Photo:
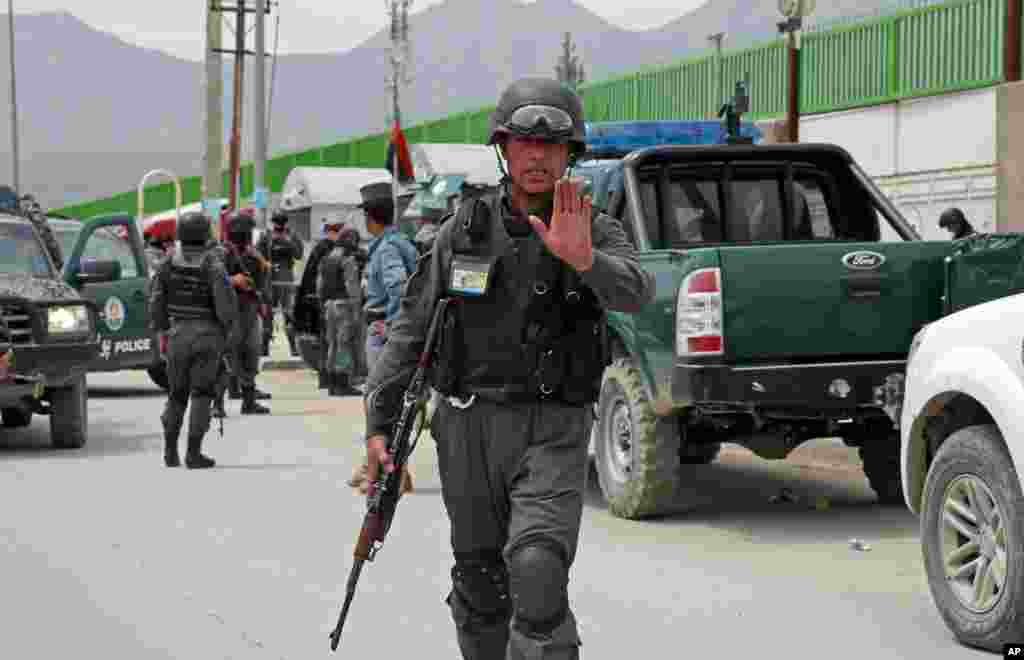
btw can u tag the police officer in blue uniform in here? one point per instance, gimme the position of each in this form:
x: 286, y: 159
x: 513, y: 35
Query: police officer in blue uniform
x: 532, y: 269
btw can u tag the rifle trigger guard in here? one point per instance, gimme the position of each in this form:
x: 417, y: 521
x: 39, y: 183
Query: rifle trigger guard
x: 461, y: 404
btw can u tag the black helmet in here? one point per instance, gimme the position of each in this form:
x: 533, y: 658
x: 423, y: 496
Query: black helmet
x: 241, y: 224
x: 193, y: 229
x: 951, y: 218
x: 280, y: 218
x: 542, y: 108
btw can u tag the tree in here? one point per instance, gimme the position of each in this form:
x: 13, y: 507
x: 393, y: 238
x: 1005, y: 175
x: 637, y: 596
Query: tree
x: 570, y: 66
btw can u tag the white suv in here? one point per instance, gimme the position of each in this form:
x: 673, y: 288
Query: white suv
x: 962, y: 448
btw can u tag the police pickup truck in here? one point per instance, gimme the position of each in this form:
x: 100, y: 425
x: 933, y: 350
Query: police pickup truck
x: 126, y: 342
x: 781, y: 313
x: 48, y: 334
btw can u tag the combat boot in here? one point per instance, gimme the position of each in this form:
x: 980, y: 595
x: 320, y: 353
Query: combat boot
x: 261, y: 395
x: 194, y: 459
x: 249, y: 405
x: 171, y: 458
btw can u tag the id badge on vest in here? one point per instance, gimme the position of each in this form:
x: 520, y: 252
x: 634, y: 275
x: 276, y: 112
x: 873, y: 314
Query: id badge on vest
x: 471, y: 276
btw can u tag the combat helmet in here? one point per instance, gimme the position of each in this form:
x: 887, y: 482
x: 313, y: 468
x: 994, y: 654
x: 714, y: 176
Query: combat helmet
x: 241, y: 225
x: 543, y: 108
x: 193, y: 229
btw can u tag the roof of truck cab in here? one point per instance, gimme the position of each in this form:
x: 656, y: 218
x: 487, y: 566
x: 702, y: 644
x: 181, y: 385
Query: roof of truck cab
x: 813, y: 151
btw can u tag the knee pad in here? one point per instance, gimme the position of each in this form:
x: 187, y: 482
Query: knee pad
x: 480, y: 587
x: 539, y: 579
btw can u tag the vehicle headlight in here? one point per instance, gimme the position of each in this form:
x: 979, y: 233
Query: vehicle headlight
x: 69, y: 320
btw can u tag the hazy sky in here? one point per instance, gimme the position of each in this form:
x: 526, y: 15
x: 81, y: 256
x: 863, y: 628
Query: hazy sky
x: 306, y: 25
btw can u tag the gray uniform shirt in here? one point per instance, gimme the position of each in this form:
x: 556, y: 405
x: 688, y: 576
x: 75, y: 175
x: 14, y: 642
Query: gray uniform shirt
x: 617, y: 279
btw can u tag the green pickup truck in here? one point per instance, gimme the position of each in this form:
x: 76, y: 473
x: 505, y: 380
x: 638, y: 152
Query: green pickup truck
x: 781, y: 314
x: 126, y: 342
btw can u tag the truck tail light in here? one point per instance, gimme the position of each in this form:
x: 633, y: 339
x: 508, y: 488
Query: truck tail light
x: 699, y: 314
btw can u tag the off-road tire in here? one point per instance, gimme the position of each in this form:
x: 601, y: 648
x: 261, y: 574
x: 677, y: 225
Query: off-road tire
x: 16, y: 418
x: 158, y: 374
x: 881, y: 459
x: 701, y: 454
x: 649, y: 488
x: 69, y: 415
x: 977, y: 452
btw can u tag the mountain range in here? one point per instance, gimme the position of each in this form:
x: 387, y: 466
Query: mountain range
x: 96, y: 112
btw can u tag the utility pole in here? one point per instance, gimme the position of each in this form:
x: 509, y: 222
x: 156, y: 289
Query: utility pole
x: 718, y: 98
x: 213, y: 162
x: 795, y: 12
x: 14, y: 103
x: 399, y: 13
x: 236, y: 111
x: 239, y: 52
x: 259, y: 119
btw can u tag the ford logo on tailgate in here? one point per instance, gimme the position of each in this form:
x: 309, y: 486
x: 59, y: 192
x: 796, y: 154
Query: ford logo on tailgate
x: 863, y: 260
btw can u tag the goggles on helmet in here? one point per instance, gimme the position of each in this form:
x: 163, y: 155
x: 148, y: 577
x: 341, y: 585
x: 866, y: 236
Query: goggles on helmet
x: 540, y: 119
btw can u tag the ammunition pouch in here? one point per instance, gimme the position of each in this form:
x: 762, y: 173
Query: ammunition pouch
x: 448, y: 353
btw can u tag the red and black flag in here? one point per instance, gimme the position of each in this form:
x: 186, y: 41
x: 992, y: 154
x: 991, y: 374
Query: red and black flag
x: 398, y: 150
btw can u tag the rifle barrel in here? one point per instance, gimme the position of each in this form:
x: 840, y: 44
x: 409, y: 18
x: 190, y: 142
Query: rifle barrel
x: 350, y: 592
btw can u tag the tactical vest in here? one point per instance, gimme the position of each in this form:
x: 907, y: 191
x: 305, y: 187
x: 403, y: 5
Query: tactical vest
x: 332, y: 276
x: 189, y: 295
x: 524, y: 326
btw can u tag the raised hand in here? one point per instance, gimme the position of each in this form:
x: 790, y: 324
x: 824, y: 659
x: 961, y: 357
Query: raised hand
x: 568, y: 237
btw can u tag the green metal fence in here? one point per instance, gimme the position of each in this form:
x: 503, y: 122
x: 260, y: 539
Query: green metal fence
x: 915, y: 52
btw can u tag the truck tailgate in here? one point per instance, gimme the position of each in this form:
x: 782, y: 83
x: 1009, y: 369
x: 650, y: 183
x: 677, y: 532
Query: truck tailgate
x: 815, y: 302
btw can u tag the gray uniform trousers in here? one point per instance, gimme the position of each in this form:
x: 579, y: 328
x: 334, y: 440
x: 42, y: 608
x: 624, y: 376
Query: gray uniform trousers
x: 341, y: 318
x: 512, y: 475
x: 246, y: 359
x: 194, y: 350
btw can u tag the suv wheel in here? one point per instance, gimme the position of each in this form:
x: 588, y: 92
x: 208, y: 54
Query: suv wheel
x: 16, y: 418
x: 972, y: 536
x: 158, y: 374
x: 637, y: 453
x: 69, y: 415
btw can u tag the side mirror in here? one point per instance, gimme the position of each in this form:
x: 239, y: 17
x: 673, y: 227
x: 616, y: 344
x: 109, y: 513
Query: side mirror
x: 98, y: 271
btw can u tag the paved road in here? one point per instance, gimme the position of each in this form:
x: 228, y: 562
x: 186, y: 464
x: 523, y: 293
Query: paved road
x: 105, y: 553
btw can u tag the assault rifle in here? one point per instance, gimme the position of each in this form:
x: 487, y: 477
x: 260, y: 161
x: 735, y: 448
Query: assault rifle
x: 385, y: 490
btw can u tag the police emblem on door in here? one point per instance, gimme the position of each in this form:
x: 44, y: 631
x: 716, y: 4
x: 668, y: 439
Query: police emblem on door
x: 113, y: 313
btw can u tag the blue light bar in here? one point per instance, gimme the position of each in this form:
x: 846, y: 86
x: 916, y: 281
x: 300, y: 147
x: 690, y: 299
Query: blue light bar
x: 619, y: 137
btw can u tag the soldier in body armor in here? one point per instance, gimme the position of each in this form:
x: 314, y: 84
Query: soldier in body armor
x: 283, y: 249
x: 531, y: 269
x: 339, y: 288
x: 249, y: 274
x: 192, y: 308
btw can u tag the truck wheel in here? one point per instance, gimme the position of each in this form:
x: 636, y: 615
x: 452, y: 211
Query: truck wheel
x: 972, y: 537
x: 69, y: 415
x: 881, y: 459
x: 16, y: 418
x: 158, y: 374
x: 637, y: 453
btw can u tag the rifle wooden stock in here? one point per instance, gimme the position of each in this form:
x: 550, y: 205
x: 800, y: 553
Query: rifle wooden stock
x: 386, y: 489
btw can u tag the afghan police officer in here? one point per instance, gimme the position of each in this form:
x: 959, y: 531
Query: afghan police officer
x: 532, y: 269
x: 283, y: 249
x: 191, y: 305
x: 339, y: 289
x: 249, y: 276
x: 955, y: 222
